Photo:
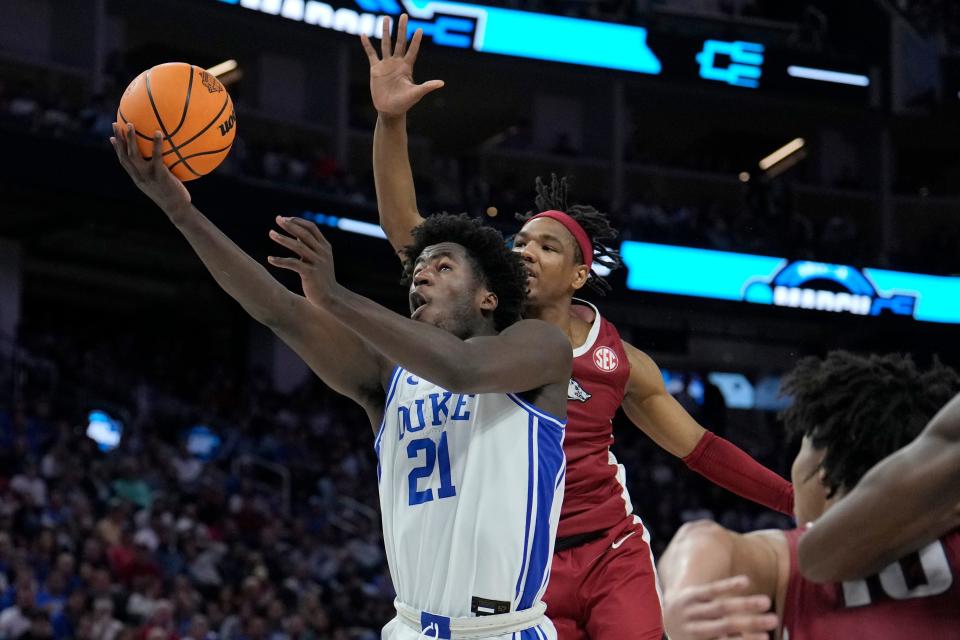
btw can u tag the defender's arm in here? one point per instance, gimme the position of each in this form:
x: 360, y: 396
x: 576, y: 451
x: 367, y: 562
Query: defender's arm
x: 394, y: 93
x: 658, y: 414
x: 905, y: 502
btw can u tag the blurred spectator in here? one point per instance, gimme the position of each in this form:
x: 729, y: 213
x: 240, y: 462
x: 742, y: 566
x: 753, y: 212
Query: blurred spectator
x: 104, y: 626
x: 17, y: 619
x: 30, y: 486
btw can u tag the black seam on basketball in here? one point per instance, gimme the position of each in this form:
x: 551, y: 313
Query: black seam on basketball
x: 126, y: 122
x: 186, y: 104
x: 173, y: 147
x: 204, y: 130
x: 202, y: 153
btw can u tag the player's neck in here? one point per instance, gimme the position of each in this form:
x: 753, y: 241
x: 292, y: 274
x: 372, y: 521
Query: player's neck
x: 559, y: 314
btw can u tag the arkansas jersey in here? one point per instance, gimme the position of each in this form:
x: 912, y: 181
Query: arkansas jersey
x: 917, y: 597
x: 596, y: 496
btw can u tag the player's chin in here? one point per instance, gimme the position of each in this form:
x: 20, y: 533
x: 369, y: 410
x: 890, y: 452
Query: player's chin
x: 531, y: 289
x: 430, y: 316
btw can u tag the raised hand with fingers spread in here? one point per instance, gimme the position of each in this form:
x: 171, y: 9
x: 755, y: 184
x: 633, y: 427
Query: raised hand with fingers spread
x: 391, y: 74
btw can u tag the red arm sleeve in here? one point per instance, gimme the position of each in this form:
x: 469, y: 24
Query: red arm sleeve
x: 728, y: 466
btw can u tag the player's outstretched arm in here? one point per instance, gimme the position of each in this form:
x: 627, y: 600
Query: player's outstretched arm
x: 719, y: 584
x: 526, y: 356
x: 658, y: 414
x: 343, y: 361
x: 394, y: 93
x: 905, y: 502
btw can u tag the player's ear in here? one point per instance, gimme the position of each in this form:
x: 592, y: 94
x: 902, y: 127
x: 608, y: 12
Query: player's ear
x: 488, y: 300
x: 581, y: 276
x: 822, y: 477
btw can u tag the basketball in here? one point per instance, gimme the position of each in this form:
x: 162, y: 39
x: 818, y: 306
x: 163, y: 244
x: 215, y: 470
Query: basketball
x: 192, y: 110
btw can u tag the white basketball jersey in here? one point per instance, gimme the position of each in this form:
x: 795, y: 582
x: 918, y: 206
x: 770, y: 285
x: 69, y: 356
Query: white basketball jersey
x: 470, y: 489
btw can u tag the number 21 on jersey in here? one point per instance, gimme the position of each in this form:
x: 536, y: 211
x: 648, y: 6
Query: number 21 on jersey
x: 435, y: 455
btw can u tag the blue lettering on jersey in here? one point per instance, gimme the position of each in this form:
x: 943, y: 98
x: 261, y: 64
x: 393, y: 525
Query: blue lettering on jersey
x: 461, y: 403
x: 440, y: 406
x: 413, y: 420
x: 406, y: 425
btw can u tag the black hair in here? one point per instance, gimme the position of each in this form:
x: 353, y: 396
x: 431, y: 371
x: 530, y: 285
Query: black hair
x: 497, y: 267
x: 553, y: 196
x: 862, y: 408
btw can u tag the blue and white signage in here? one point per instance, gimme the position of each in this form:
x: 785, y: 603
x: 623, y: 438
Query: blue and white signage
x: 592, y: 43
x: 737, y: 63
x: 803, y: 284
x: 523, y: 34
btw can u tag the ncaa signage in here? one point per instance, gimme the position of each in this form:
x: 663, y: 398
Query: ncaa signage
x: 462, y: 25
x: 804, y: 284
x: 736, y: 63
x: 828, y: 287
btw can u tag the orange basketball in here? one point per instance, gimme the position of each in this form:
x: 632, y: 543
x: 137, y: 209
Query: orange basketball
x: 192, y: 110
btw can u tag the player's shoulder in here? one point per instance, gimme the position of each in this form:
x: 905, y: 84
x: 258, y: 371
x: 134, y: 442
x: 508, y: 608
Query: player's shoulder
x: 540, y: 329
x: 642, y: 366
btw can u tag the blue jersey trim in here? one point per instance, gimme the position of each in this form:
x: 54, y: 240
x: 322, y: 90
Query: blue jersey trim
x: 550, y: 465
x: 391, y: 389
x: 526, y: 529
x: 394, y: 377
x: 555, y: 421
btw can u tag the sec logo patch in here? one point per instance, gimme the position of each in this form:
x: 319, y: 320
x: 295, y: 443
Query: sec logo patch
x: 605, y: 359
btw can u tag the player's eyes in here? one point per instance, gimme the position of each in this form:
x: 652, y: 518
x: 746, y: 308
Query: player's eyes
x: 444, y: 267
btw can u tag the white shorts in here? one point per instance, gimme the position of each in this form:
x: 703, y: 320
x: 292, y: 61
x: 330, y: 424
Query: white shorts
x: 397, y: 630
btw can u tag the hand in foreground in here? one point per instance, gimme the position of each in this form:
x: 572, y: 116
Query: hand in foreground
x: 150, y: 175
x: 717, y: 610
x: 315, y: 261
x: 391, y: 78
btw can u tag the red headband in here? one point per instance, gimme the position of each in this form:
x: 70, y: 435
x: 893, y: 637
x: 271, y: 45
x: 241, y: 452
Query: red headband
x: 583, y: 240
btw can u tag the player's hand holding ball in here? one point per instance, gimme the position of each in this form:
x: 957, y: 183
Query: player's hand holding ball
x: 151, y: 176
x: 315, y: 258
x: 175, y: 123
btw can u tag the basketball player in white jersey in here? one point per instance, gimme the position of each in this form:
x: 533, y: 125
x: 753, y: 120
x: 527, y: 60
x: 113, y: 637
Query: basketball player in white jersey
x: 468, y: 404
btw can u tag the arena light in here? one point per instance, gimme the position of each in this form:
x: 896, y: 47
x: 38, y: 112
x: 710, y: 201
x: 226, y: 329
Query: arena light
x: 103, y: 429
x: 345, y: 224
x: 223, y: 68
x: 782, y: 153
x: 363, y: 228
x: 825, y: 75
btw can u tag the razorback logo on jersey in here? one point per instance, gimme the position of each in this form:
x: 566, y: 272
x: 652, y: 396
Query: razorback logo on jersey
x: 576, y: 392
x: 606, y: 359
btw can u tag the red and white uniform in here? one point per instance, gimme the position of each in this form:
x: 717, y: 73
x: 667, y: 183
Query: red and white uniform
x: 596, y: 496
x: 917, y: 597
x: 606, y: 588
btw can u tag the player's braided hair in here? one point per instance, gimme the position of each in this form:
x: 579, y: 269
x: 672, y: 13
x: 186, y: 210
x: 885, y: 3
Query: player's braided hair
x: 498, y: 268
x: 862, y: 408
x: 595, y: 223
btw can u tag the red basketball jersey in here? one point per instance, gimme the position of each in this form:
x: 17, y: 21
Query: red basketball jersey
x: 596, y: 494
x: 915, y: 598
